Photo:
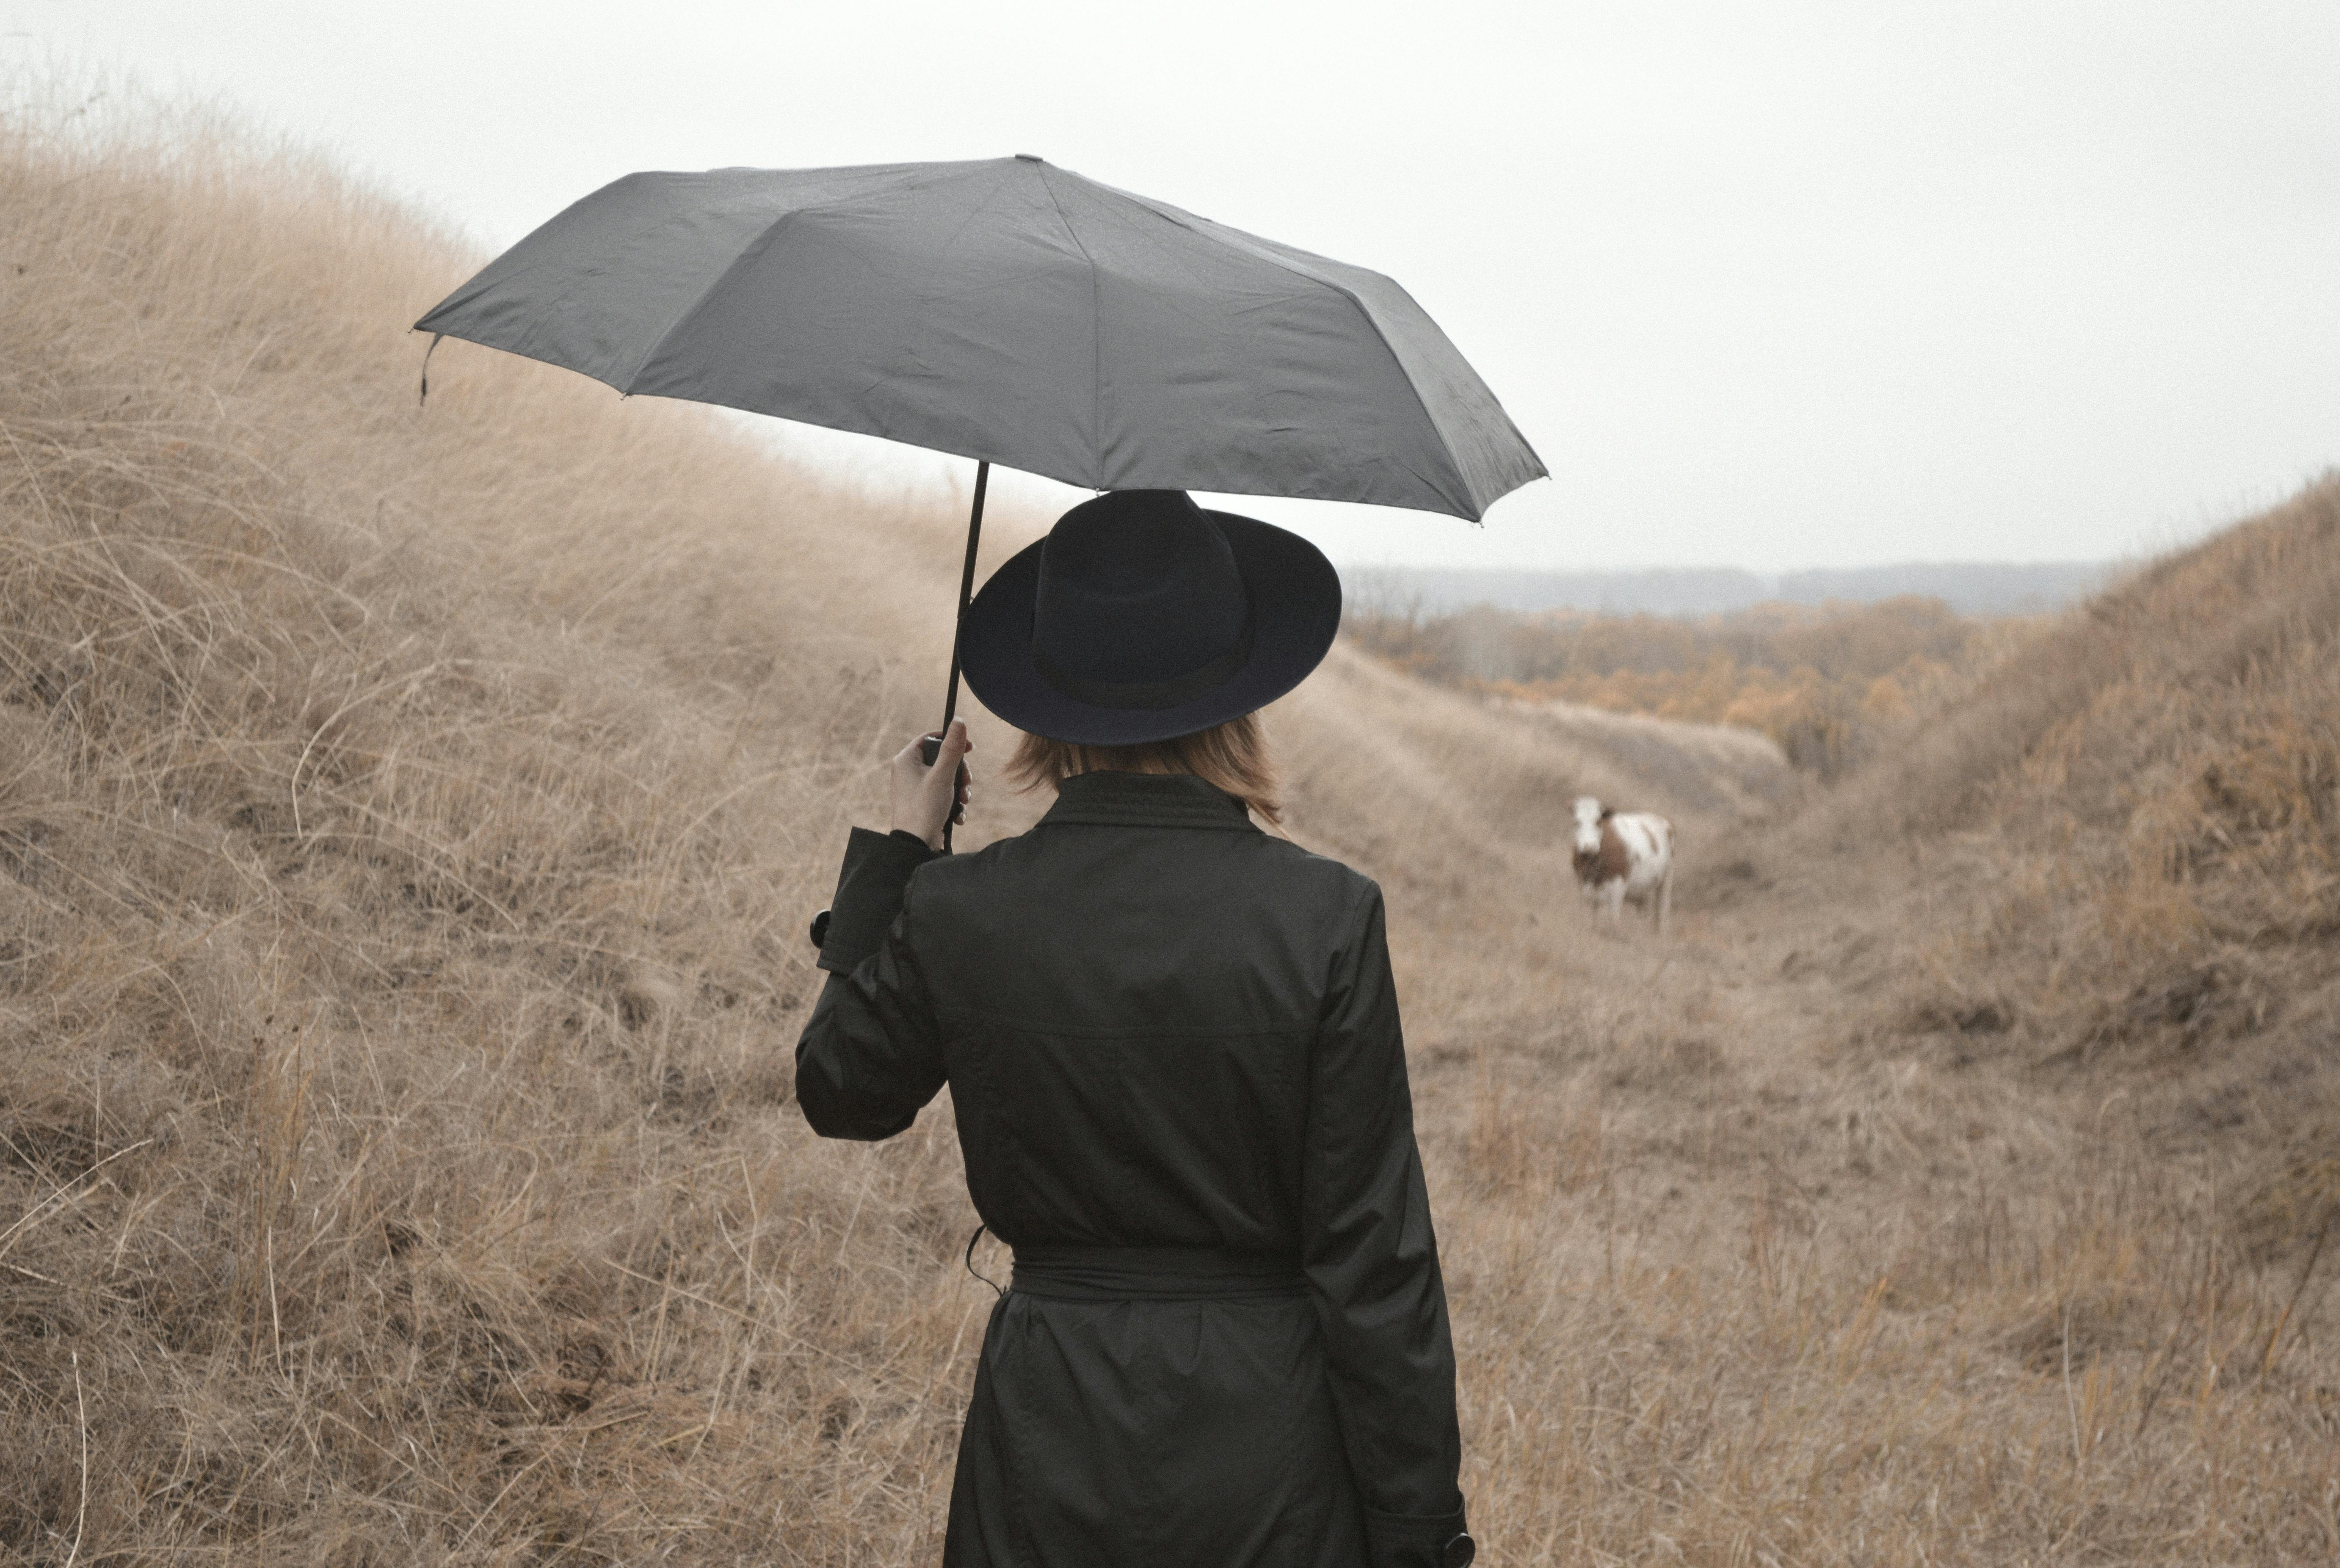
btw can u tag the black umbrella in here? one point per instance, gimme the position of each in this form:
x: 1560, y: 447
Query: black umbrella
x: 1010, y: 312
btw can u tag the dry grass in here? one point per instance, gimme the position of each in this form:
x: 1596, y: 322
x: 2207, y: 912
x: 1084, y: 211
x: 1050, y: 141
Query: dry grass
x: 407, y: 822
x: 407, y: 818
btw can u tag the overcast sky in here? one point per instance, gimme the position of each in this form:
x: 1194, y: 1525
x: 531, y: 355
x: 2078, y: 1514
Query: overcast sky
x: 1792, y: 284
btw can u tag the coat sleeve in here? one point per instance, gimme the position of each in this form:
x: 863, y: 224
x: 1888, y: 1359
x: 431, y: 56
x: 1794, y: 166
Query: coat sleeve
x: 871, y: 1055
x: 1372, y: 1262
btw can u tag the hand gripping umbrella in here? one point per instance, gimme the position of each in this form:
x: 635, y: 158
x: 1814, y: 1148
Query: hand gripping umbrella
x: 1010, y: 312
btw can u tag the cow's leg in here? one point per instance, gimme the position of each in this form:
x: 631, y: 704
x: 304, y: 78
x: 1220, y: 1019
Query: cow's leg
x: 1665, y: 898
x: 1612, y: 899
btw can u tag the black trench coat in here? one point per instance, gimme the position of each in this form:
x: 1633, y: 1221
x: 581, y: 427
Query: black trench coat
x: 1172, y: 1042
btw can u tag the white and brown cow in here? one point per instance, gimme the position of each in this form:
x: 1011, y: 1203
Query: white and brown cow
x: 1622, y: 855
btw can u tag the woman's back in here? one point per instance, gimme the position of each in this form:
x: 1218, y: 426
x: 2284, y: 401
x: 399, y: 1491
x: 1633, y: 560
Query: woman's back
x: 1128, y: 995
x: 1172, y: 1048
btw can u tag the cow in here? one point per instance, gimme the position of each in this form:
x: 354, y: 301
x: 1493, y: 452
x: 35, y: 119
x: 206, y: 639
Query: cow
x: 1622, y: 855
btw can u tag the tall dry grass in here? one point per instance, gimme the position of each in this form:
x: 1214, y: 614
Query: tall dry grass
x: 2139, y: 812
x: 407, y: 817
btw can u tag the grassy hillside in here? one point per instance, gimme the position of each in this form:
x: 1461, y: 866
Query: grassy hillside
x: 408, y: 816
x: 2126, y: 834
x: 2128, y: 825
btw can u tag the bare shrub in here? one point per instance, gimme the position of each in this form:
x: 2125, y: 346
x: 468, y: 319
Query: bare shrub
x: 1824, y: 682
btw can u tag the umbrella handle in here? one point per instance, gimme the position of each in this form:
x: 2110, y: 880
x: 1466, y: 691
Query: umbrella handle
x: 932, y: 746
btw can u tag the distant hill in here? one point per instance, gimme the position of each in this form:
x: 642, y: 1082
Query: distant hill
x: 1970, y: 587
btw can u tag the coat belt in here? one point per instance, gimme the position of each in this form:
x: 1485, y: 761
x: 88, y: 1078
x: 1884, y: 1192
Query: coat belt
x: 1152, y: 1274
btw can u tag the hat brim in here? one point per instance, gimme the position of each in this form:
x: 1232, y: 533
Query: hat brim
x: 1296, y: 606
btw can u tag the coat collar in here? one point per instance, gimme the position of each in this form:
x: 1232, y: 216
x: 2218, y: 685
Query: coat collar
x: 1146, y: 800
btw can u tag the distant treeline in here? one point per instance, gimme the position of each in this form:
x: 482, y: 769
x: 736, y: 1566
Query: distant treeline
x: 1821, y: 680
x: 1969, y: 588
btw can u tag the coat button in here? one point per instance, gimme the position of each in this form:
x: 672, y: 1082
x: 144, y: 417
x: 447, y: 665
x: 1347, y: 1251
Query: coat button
x: 820, y: 932
x: 1458, y: 1551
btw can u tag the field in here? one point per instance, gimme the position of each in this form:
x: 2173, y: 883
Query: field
x: 409, y: 815
x: 1829, y: 683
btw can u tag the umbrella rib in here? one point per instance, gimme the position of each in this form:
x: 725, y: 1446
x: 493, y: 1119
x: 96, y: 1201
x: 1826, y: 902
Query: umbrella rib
x: 1445, y: 440
x: 763, y: 237
x: 1096, y: 339
x: 1266, y: 252
x: 1454, y: 459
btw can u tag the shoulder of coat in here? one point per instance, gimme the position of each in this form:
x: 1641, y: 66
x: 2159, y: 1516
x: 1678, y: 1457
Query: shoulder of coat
x: 1283, y: 846
x: 958, y: 870
x: 1339, y: 885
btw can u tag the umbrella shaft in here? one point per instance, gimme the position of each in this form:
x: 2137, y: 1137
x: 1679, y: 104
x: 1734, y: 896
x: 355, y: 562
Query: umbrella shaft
x: 966, y: 592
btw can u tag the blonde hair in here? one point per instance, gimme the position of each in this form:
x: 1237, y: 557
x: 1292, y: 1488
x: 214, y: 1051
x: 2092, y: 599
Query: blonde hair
x: 1232, y: 757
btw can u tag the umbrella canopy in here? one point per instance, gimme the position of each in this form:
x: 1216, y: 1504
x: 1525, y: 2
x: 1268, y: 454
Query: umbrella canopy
x: 1012, y: 311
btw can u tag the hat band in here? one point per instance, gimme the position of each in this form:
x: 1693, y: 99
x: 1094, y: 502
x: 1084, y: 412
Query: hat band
x: 1149, y: 694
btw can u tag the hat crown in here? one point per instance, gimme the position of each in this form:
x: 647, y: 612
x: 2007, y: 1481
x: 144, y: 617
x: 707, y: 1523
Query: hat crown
x: 1137, y: 586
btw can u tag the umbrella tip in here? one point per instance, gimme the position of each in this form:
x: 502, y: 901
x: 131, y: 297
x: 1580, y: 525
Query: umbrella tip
x: 1030, y: 158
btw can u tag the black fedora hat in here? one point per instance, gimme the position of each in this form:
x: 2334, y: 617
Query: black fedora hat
x: 1141, y: 616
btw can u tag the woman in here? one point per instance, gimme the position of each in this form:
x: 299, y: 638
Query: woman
x: 1172, y: 1042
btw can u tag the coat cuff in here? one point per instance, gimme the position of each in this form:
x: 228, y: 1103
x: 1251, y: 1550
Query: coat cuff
x: 869, y: 888
x: 1410, y: 1540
